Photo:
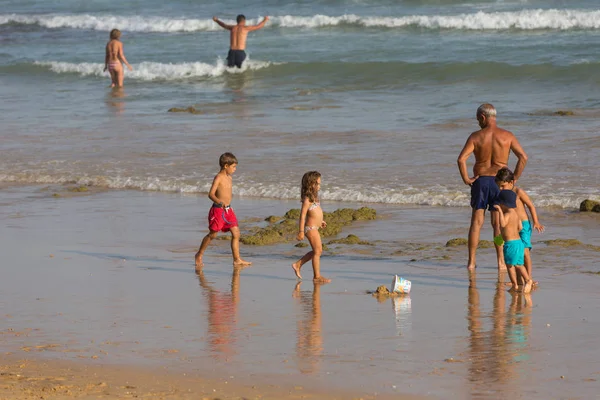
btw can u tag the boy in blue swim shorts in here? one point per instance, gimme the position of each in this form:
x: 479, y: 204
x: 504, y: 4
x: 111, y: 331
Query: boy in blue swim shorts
x: 505, y: 179
x: 514, y: 249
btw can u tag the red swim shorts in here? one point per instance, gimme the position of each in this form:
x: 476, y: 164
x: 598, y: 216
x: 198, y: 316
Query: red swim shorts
x: 221, y: 219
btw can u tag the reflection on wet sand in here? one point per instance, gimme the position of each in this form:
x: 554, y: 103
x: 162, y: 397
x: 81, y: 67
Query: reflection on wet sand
x: 494, y: 354
x: 222, y: 315
x: 309, y: 345
x: 113, y: 102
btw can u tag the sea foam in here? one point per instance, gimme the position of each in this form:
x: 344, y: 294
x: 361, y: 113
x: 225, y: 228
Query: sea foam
x: 533, y: 19
x: 149, y: 71
x: 430, y: 196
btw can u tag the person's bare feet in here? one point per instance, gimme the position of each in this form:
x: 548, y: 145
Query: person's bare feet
x: 296, y: 268
x: 198, y: 259
x: 514, y: 289
x: 240, y: 262
x: 527, y: 287
x: 471, y: 268
x: 321, y: 279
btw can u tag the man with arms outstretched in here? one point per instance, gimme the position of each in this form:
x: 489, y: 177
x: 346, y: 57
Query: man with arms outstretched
x: 237, y: 39
x: 491, y: 146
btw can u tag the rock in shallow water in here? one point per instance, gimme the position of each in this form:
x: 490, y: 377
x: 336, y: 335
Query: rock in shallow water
x: 589, y: 205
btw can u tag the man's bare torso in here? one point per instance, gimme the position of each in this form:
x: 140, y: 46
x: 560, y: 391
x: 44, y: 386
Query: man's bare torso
x: 237, y: 39
x: 491, y: 148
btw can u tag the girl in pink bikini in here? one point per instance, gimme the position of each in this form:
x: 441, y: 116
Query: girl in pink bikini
x: 114, y: 59
x: 311, y: 219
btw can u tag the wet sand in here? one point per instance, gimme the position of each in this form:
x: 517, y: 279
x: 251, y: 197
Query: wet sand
x: 104, y: 283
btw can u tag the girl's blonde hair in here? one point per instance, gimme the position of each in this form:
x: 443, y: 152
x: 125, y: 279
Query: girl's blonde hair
x: 115, y: 34
x: 309, y: 186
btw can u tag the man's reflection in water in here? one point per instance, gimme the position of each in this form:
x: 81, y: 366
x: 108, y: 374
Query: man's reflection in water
x: 309, y: 346
x: 494, y: 353
x: 222, y: 315
x: 114, y: 100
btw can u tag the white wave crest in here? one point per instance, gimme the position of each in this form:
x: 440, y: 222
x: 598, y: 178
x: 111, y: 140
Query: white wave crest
x: 431, y: 196
x: 148, y: 71
x: 521, y: 20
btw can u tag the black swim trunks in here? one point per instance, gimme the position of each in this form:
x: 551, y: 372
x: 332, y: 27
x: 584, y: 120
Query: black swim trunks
x: 235, y: 58
x: 484, y: 192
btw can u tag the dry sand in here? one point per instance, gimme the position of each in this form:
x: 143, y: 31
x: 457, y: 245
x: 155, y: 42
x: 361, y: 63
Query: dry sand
x: 56, y: 380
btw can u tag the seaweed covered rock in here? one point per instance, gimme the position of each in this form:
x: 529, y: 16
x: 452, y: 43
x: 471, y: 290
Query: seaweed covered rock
x: 589, y: 205
x: 483, y: 244
x: 284, y: 229
x: 273, y: 218
x: 350, y: 239
x: 456, y: 242
x: 563, y: 242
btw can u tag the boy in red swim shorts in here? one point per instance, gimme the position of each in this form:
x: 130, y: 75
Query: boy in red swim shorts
x: 221, y: 217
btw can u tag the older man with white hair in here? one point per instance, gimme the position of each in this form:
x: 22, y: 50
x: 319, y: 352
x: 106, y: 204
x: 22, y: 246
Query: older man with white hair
x: 491, y: 146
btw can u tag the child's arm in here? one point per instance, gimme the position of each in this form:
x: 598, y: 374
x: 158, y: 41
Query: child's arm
x: 527, y: 201
x: 302, y: 222
x: 222, y: 24
x: 503, y: 220
x: 122, y: 57
x: 212, y: 194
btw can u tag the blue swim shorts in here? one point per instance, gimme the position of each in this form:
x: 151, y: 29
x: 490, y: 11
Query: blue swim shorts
x: 484, y: 192
x: 525, y: 234
x: 514, y: 253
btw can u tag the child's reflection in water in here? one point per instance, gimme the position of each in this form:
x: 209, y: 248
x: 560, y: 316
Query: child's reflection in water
x: 309, y: 346
x: 222, y: 315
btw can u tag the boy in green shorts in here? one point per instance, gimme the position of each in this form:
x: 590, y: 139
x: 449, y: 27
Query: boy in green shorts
x: 505, y: 179
x: 514, y: 249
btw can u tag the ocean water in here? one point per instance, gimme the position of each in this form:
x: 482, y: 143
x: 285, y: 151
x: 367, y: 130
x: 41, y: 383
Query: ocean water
x: 378, y: 95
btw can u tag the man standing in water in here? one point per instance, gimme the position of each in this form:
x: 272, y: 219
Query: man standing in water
x: 237, y: 39
x: 491, y: 146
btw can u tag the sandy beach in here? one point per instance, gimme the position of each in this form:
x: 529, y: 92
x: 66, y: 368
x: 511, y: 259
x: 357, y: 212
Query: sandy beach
x: 100, y: 285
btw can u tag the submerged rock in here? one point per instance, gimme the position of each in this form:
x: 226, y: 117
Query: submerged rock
x: 78, y: 189
x: 564, y: 113
x: 589, y: 205
x: 191, y: 110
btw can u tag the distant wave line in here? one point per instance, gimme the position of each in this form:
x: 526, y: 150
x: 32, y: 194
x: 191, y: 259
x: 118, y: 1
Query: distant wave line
x: 535, y: 19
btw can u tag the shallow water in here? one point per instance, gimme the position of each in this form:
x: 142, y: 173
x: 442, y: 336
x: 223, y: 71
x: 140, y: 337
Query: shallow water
x: 111, y: 275
x: 380, y: 96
